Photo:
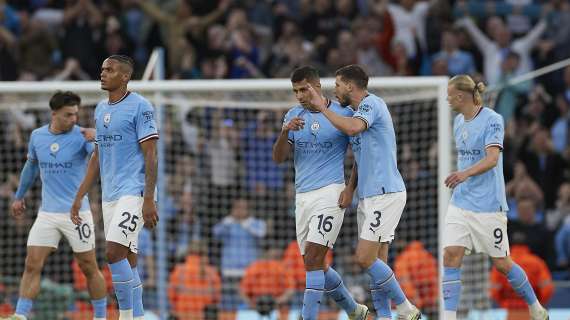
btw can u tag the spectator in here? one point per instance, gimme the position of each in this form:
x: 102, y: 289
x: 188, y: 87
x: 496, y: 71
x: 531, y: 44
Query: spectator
x: 522, y: 186
x: 416, y: 270
x: 239, y: 234
x: 517, y: 22
x: 186, y: 227
x: 194, y: 284
x: 559, y: 130
x: 527, y: 227
x: 9, y: 26
x: 409, y: 20
x: 267, y: 277
x: 557, y: 34
x: 176, y: 26
x: 538, y: 275
x: 543, y: 164
x: 265, y: 179
x: 320, y: 24
x: 458, y: 61
x: 509, y: 95
x: 82, y: 21
x: 244, y: 55
x: 563, y: 244
x: 562, y: 239
x: 494, y: 51
x: 366, y: 43
x: 439, y: 67
x: 36, y: 48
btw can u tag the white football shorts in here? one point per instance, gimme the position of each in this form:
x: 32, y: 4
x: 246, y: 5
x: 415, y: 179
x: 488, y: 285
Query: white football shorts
x: 123, y: 221
x: 318, y: 217
x: 476, y: 231
x: 49, y: 227
x: 378, y: 216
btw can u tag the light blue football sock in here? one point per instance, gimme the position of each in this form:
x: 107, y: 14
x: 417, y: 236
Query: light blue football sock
x: 451, y: 288
x: 336, y: 289
x: 315, y: 284
x: 122, y: 282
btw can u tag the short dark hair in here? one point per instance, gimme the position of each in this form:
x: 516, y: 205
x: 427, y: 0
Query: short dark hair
x: 62, y: 99
x: 305, y: 73
x: 124, y: 60
x: 355, y: 74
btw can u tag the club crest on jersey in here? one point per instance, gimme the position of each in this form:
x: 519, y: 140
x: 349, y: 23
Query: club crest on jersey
x: 106, y: 119
x: 315, y: 126
x: 53, y: 148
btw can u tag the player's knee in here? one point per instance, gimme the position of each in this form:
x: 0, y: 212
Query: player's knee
x: 89, y: 268
x: 503, y: 265
x: 452, y: 257
x: 364, y: 259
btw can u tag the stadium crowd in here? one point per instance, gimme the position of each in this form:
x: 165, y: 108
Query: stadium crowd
x: 229, y: 211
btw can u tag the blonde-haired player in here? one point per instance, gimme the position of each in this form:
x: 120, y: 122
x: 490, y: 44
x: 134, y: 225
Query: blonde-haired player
x: 476, y: 218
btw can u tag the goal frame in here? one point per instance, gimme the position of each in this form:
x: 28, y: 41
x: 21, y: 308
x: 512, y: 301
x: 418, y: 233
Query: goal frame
x: 157, y: 87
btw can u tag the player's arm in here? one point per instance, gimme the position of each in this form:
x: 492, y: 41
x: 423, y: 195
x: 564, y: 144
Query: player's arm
x: 345, y: 199
x: 153, y: 11
x: 90, y: 177
x: 150, y: 214
x: 353, y: 180
x: 282, y: 146
x: 484, y: 165
x: 27, y: 177
x: 348, y: 125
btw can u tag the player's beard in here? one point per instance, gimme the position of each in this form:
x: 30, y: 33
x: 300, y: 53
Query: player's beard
x: 344, y: 100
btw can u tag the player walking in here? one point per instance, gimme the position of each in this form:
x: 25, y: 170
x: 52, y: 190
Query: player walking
x: 381, y: 189
x: 318, y: 148
x: 58, y: 152
x: 125, y: 157
x: 476, y: 218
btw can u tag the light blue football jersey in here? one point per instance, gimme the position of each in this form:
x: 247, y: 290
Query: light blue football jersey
x: 62, y: 159
x: 375, y: 150
x: 485, y: 192
x: 121, y: 127
x: 319, y: 148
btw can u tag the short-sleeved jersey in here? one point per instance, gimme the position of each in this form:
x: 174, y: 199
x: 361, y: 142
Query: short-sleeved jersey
x: 319, y: 148
x: 62, y: 159
x: 485, y: 192
x: 121, y: 127
x: 375, y: 150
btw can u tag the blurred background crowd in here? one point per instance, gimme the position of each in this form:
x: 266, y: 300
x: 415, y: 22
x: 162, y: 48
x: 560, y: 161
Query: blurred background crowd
x: 230, y: 209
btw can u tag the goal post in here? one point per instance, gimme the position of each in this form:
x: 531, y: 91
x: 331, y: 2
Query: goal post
x: 195, y: 116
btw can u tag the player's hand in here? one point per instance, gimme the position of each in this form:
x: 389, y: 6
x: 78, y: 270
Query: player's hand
x: 295, y: 124
x: 317, y: 102
x: 150, y: 214
x: 345, y: 199
x: 88, y: 133
x: 18, y: 208
x: 455, y: 178
x: 74, y: 212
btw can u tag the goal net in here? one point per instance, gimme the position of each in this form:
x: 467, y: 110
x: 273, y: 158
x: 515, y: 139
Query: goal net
x: 225, y: 244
